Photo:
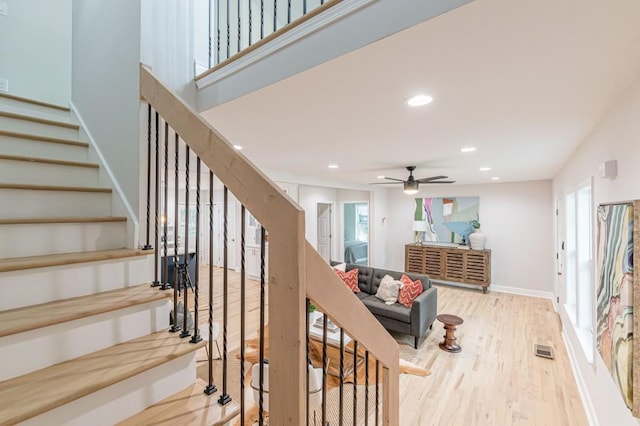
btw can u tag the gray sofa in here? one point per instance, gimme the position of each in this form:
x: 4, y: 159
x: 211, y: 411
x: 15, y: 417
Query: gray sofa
x: 413, y: 321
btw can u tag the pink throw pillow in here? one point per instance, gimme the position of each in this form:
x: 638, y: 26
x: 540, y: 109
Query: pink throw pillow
x: 409, y: 291
x: 350, y: 279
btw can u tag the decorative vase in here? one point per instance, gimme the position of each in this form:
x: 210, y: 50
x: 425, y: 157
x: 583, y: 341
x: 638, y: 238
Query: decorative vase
x: 477, y: 240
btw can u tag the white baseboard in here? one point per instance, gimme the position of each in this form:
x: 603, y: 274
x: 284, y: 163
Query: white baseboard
x: 580, y: 384
x: 505, y: 289
x: 523, y: 292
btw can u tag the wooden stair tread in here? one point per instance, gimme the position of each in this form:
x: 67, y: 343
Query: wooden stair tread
x: 53, y: 188
x: 32, y: 262
x: 43, y: 390
x: 36, y: 220
x: 43, y: 138
x: 39, y: 120
x: 28, y: 318
x: 34, y: 102
x: 191, y: 406
x: 49, y: 161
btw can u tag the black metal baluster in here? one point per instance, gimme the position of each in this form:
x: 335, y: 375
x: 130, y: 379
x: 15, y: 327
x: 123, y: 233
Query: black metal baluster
x: 225, y: 398
x: 196, y: 330
x: 262, y: 295
x: 242, y: 307
x: 228, y: 31
x: 156, y: 254
x: 341, y: 384
x: 377, y: 390
x: 210, y: 52
x: 275, y: 15
x: 355, y: 383
x: 289, y: 12
x: 325, y: 320
x: 250, y: 24
x: 261, y: 19
x: 185, y: 280
x: 366, y: 388
x: 239, y: 26
x: 175, y: 327
x: 308, y: 306
x: 165, y: 266
x: 218, y: 42
x: 211, y: 388
x: 147, y: 246
x: 304, y: 7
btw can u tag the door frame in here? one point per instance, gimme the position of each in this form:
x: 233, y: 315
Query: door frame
x: 331, y: 226
x: 341, y: 228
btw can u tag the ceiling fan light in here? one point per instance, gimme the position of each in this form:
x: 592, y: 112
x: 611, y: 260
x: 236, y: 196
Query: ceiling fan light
x: 410, y: 188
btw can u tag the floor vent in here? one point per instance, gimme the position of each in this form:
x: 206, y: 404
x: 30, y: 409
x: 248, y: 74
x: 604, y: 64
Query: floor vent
x: 544, y: 351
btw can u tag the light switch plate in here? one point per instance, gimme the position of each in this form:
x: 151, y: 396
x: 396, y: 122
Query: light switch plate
x: 4, y: 85
x: 4, y: 8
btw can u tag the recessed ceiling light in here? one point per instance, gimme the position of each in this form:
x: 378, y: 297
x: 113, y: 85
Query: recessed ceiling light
x: 468, y: 149
x: 495, y: 178
x: 238, y: 147
x: 381, y: 177
x: 485, y: 169
x: 333, y: 166
x: 419, y: 100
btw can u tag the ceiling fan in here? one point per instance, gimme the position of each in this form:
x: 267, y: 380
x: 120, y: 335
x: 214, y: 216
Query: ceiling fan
x: 411, y: 184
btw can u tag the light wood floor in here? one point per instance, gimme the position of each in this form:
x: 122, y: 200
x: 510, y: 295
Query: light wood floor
x: 495, y: 380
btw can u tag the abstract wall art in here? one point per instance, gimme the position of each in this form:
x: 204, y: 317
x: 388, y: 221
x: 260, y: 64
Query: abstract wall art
x: 447, y: 217
x: 616, y: 241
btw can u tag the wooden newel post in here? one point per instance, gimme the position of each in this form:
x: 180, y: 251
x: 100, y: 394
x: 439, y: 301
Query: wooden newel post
x: 287, y: 322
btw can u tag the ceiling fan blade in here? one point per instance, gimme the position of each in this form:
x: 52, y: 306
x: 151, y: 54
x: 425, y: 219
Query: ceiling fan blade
x: 394, y: 179
x: 429, y: 179
x: 438, y: 181
x: 385, y: 183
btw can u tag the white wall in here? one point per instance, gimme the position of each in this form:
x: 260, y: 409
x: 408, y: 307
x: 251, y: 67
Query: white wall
x: 616, y: 137
x: 167, y: 44
x: 516, y: 217
x: 105, y: 86
x: 309, y: 197
x: 35, y: 49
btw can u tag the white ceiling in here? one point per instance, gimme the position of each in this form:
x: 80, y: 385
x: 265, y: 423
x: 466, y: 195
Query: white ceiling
x: 523, y: 81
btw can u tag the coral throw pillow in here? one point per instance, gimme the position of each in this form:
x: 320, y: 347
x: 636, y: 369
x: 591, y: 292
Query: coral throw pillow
x: 350, y: 279
x: 409, y: 291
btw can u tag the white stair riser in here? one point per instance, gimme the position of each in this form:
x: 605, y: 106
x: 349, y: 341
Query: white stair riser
x: 115, y: 403
x: 25, y: 126
x: 33, y: 173
x: 57, y: 238
x: 42, y: 285
x: 36, y: 349
x: 10, y: 145
x: 27, y: 204
x: 20, y: 107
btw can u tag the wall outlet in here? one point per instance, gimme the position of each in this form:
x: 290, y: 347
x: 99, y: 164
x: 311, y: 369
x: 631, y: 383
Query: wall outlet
x: 4, y: 85
x: 4, y: 8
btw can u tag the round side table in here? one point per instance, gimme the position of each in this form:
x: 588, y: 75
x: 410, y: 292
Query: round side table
x: 450, y: 322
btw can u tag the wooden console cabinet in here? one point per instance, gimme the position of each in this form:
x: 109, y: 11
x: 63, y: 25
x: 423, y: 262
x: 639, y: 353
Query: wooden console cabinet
x: 444, y: 263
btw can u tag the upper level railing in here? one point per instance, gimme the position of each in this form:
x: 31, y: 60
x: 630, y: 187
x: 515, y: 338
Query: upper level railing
x: 296, y: 272
x: 237, y: 27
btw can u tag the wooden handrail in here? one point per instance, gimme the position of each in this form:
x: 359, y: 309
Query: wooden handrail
x: 296, y: 270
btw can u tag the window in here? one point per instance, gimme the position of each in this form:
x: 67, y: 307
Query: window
x: 579, y: 265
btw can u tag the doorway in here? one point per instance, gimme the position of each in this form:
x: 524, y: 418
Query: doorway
x: 324, y: 213
x: 356, y: 233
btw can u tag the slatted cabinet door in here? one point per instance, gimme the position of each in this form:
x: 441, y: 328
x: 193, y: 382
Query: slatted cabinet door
x: 450, y: 264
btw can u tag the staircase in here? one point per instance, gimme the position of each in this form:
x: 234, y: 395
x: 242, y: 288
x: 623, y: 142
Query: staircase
x: 83, y: 336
